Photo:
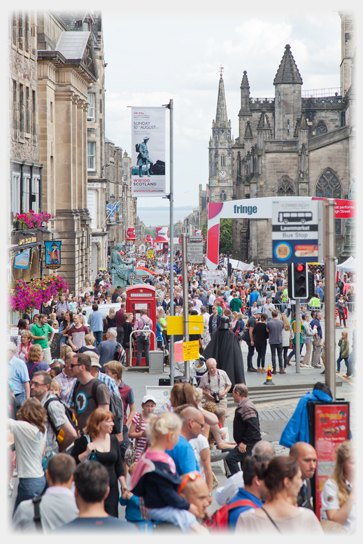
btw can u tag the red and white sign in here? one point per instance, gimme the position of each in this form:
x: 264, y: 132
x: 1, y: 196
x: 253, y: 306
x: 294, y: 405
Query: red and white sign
x: 130, y: 233
x: 162, y: 234
x: 148, y: 238
x: 197, y: 232
x: 344, y: 209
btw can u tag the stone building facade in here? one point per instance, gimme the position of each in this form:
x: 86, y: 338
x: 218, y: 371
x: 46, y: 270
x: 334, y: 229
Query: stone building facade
x: 66, y: 69
x: 25, y: 168
x: 292, y: 144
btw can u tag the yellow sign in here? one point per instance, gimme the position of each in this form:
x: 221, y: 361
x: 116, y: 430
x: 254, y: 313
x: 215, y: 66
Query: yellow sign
x: 150, y: 254
x: 190, y: 350
x: 196, y: 325
x: 30, y: 240
x: 295, y: 326
x: 175, y: 324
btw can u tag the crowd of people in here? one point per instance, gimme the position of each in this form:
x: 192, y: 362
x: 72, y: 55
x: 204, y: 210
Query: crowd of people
x: 80, y: 448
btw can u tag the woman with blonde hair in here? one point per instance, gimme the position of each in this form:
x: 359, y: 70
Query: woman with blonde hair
x: 155, y: 478
x: 286, y: 338
x: 338, y: 498
x: 64, y: 350
x: 30, y: 438
x: 34, y: 362
x: 109, y: 321
x: 98, y: 444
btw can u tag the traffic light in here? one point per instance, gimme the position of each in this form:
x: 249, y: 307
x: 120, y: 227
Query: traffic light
x: 311, y: 285
x: 299, y: 281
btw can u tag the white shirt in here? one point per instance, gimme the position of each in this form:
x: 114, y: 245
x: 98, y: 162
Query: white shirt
x: 199, y: 444
x: 29, y: 445
x: 229, y: 490
x: 211, y: 299
x: 330, y: 501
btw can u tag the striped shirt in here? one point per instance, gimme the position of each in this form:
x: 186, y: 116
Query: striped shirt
x: 140, y: 442
x: 110, y: 382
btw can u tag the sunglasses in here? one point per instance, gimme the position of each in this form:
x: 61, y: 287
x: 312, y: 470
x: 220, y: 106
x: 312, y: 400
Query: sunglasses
x: 190, y: 476
x: 201, y: 424
x: 36, y: 384
x: 72, y: 365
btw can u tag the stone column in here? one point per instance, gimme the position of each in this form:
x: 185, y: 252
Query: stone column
x: 64, y: 148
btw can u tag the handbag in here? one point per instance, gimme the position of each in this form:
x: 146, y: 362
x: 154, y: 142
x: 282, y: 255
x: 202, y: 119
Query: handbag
x: 130, y: 452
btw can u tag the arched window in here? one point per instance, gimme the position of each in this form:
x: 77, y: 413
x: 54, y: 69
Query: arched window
x: 223, y: 160
x: 321, y: 128
x: 223, y: 196
x: 285, y: 187
x: 329, y: 186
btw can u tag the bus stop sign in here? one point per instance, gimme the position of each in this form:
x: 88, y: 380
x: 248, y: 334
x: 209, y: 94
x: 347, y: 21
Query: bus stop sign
x: 295, y: 231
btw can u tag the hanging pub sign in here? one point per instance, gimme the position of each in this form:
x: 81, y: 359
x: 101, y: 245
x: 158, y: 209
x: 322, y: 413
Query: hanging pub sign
x: 21, y: 260
x: 53, y: 257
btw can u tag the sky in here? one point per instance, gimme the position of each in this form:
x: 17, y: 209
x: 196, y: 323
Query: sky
x: 179, y: 59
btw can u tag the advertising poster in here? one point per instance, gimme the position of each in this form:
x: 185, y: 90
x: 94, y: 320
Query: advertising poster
x: 331, y: 428
x: 148, y: 151
x: 53, y: 258
x: 21, y: 260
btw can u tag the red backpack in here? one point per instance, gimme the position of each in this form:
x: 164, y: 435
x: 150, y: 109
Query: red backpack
x: 218, y: 522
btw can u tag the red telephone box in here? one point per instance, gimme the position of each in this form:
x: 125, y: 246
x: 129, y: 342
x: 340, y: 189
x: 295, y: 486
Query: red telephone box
x: 142, y: 297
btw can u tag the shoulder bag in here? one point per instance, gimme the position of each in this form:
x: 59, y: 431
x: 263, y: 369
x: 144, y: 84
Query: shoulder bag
x: 270, y: 518
x: 130, y: 452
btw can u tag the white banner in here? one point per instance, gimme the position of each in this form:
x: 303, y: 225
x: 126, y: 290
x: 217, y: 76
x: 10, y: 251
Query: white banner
x: 148, y: 151
x: 213, y: 276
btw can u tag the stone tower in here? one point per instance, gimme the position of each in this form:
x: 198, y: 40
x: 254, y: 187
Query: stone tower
x: 347, y: 51
x: 220, y: 153
x: 287, y: 83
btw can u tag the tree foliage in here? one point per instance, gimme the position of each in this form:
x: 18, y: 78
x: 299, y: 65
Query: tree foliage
x: 225, y: 235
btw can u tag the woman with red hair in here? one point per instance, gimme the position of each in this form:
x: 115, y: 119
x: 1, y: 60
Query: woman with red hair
x: 98, y: 444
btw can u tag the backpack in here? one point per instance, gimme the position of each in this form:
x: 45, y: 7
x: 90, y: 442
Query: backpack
x: 70, y: 416
x: 137, y: 147
x: 145, y: 334
x: 218, y: 522
x: 116, y: 405
x: 246, y: 335
x: 120, y: 354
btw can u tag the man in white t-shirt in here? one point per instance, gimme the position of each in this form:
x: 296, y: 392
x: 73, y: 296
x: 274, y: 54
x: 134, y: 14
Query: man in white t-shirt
x: 201, y: 450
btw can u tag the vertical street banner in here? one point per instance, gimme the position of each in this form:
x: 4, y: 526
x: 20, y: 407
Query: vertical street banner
x: 130, y: 233
x: 148, y: 151
x: 162, y: 234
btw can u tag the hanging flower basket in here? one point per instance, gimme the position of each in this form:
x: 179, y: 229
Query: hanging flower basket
x: 31, y: 220
x: 30, y: 296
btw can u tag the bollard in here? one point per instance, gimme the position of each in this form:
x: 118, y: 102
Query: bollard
x: 268, y: 377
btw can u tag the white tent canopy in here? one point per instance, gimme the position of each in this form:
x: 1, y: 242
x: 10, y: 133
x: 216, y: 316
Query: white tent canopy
x: 348, y: 266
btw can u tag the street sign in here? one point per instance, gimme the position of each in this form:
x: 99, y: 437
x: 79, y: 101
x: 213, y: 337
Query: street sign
x: 295, y: 231
x: 195, y: 250
x: 175, y: 324
x: 191, y: 350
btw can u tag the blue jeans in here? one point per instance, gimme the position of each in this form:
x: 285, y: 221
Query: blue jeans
x: 345, y: 359
x: 29, y: 488
x: 21, y: 397
x: 98, y: 337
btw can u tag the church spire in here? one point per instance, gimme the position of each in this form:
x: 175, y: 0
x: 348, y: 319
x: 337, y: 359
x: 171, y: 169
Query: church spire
x: 288, y: 71
x: 244, y: 82
x: 221, y: 114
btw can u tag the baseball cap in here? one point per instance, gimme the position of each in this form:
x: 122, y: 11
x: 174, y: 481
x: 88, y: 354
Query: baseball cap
x: 145, y: 398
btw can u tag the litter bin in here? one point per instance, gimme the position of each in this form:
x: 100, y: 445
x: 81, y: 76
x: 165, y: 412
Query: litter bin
x: 156, y: 362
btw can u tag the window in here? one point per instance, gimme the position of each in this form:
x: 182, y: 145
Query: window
x: 328, y: 186
x: 15, y: 193
x: 21, y: 31
x: 21, y: 96
x: 285, y: 187
x: 15, y: 105
x: 27, y: 102
x: 27, y: 32
x: 223, y: 160
x: 91, y: 107
x: 91, y: 163
x: 25, y: 194
x: 223, y: 196
x: 15, y: 29
x: 35, y: 194
x: 51, y: 112
x: 321, y: 128
x: 34, y: 112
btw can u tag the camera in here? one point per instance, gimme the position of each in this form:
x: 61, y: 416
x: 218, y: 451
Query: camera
x: 215, y: 394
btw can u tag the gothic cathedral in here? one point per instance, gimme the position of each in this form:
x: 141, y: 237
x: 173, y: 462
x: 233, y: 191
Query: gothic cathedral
x: 294, y: 144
